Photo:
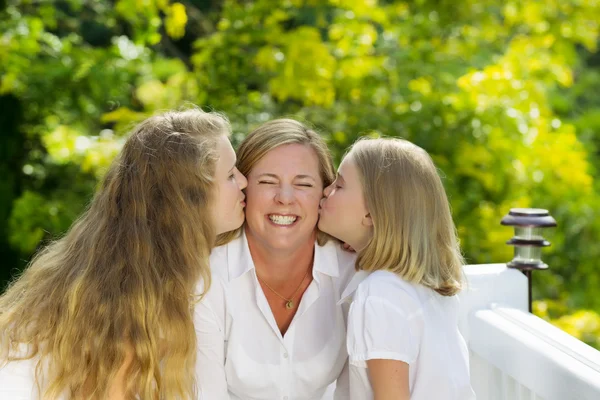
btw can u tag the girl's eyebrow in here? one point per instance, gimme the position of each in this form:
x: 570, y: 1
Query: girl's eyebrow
x: 233, y: 166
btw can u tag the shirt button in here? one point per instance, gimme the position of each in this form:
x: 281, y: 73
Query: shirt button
x: 285, y: 355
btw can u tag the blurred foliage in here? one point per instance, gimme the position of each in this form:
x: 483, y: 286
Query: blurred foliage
x: 505, y: 95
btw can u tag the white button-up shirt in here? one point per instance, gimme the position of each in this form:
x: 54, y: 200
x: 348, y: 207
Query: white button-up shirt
x: 241, y: 352
x: 392, y: 319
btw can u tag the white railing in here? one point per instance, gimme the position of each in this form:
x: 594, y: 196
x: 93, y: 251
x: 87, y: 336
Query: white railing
x: 514, y: 354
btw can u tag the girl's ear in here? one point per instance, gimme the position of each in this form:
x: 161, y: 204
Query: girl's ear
x: 367, y: 220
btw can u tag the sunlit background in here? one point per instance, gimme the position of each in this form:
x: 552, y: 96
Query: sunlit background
x: 505, y: 95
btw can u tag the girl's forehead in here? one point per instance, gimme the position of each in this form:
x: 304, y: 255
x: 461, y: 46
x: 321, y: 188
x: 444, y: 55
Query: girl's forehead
x: 347, y: 168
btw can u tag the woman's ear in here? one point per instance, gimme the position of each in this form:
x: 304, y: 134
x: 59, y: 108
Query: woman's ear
x: 367, y: 220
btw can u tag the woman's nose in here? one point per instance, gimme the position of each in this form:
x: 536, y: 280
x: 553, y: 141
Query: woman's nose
x: 285, y: 194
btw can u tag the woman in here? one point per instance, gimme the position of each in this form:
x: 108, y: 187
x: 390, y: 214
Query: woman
x: 105, y: 312
x: 389, y: 204
x: 270, y: 326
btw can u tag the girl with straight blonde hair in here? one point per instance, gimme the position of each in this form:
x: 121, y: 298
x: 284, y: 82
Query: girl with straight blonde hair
x: 389, y: 204
x: 106, y: 311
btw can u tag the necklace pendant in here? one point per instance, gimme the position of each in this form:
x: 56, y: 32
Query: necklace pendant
x: 289, y: 304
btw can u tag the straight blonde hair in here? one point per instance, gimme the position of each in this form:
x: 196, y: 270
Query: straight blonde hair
x: 277, y: 133
x: 413, y: 232
x: 120, y: 285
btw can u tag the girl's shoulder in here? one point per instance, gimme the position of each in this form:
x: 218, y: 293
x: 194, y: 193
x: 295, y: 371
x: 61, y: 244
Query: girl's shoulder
x: 388, y: 287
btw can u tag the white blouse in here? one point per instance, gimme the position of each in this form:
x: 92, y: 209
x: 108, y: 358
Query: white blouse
x: 392, y: 319
x: 241, y: 352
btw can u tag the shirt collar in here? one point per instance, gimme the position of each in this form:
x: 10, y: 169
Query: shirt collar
x: 347, y: 294
x: 326, y: 259
x: 240, y: 260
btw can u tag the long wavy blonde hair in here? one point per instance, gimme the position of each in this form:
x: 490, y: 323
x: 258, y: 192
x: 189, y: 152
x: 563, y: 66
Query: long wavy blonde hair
x: 120, y: 284
x: 275, y: 133
x: 413, y: 232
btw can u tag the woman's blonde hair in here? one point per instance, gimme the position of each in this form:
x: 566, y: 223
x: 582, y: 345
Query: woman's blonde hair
x: 413, y: 232
x: 121, y: 282
x: 271, y: 135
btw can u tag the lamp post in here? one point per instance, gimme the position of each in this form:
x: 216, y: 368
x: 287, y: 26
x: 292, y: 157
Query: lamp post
x: 528, y: 240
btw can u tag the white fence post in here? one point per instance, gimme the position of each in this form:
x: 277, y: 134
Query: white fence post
x: 514, y: 354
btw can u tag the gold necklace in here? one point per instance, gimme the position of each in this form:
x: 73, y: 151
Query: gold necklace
x: 289, y: 303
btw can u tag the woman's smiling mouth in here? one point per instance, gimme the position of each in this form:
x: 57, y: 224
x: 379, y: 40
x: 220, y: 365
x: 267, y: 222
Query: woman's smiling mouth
x: 282, y: 220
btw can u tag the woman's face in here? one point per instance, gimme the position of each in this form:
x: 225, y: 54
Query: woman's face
x: 283, y: 194
x: 229, y: 203
x: 344, y: 213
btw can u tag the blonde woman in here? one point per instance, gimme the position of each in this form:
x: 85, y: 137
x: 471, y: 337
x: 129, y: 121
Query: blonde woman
x: 270, y: 326
x: 106, y: 311
x: 389, y: 204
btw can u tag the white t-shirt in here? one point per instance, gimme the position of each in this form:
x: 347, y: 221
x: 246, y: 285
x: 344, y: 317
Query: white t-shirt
x: 392, y: 319
x: 241, y: 352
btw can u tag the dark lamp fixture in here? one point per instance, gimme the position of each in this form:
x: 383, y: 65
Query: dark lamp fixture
x: 528, y: 240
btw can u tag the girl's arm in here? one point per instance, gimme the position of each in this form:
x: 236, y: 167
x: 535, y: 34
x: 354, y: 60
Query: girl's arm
x: 385, y: 326
x: 389, y: 379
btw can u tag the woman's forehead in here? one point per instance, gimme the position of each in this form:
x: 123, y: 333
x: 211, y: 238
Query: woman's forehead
x: 289, y: 159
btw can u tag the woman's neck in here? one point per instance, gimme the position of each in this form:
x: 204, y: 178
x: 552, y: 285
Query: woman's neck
x: 280, y: 265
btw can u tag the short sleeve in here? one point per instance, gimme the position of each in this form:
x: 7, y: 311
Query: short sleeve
x: 379, y: 329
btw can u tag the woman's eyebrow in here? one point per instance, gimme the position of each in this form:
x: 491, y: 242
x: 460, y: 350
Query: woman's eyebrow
x: 267, y: 175
x: 305, y: 177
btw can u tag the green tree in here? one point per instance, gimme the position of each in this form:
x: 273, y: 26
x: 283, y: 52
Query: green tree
x: 500, y: 93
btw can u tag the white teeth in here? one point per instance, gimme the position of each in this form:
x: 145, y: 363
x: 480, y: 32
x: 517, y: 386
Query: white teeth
x: 282, y: 219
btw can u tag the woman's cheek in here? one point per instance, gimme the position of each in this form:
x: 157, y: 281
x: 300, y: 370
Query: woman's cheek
x: 315, y: 195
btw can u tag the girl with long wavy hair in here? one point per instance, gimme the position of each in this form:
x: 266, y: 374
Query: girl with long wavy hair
x: 389, y: 204
x: 106, y: 311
